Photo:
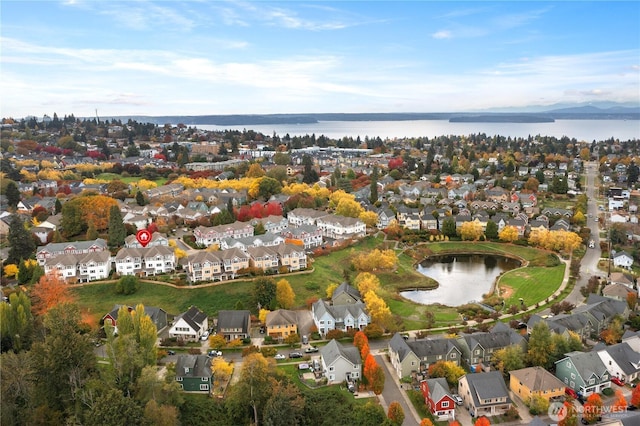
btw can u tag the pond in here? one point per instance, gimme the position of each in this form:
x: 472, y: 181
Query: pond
x: 462, y: 278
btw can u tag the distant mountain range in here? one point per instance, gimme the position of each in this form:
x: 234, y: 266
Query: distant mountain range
x: 583, y: 112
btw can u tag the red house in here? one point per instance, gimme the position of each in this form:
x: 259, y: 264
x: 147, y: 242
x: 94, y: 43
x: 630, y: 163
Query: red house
x: 438, y: 399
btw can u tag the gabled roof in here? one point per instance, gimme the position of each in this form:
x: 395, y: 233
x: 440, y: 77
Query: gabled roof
x: 493, y: 339
x: 537, y: 379
x: 400, y: 346
x: 429, y: 347
x: 281, y: 317
x: 194, y: 317
x: 586, y: 363
x: 234, y: 319
x: 334, y: 350
x: 487, y: 386
x: 348, y: 289
x: 439, y: 388
x: 624, y: 356
x: 193, y: 366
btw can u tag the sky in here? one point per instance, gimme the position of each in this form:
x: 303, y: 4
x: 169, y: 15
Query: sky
x: 260, y: 57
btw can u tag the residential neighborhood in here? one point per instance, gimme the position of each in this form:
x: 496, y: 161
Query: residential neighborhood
x: 292, y: 257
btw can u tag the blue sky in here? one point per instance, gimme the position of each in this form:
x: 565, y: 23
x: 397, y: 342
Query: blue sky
x: 240, y: 57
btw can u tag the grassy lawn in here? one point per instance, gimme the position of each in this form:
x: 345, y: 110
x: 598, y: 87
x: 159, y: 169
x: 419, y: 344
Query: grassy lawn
x: 534, y: 284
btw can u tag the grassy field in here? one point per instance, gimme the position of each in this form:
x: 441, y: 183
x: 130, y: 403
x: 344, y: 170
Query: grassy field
x: 531, y: 284
x: 534, y: 283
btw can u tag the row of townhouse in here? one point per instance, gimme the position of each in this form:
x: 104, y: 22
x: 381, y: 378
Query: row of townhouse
x: 205, y: 236
x: 97, y: 265
x: 226, y: 264
x: 330, y: 225
x: 469, y: 350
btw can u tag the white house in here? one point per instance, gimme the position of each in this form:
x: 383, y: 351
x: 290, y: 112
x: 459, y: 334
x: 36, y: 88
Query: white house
x: 622, y: 361
x: 145, y: 261
x: 189, y: 325
x: 340, y: 363
x: 341, y: 227
x: 622, y: 259
x: 339, y: 317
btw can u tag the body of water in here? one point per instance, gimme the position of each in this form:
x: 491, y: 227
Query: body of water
x: 463, y: 278
x: 582, y: 130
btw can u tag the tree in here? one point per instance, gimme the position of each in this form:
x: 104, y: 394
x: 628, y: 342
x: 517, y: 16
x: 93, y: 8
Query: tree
x: 366, y: 282
x: 395, y: 413
x: 371, y: 413
x: 449, y: 227
x: 539, y: 352
x: 221, y: 370
x: 92, y: 232
x: 592, y: 407
x: 13, y: 194
x: 538, y: 404
x: 509, y: 234
x: 373, y: 193
x: 330, y: 289
x: 471, y: 231
x: 285, y: 406
x: 16, y: 322
x: 349, y: 208
x: 532, y: 184
x: 509, y: 359
x: 268, y: 187
x: 72, y: 223
x: 113, y: 408
x: 309, y: 174
x: 284, y: 294
x: 492, y: 230
x: 620, y: 403
x: 426, y: 422
x: 21, y: 244
x: 570, y: 417
x: 253, y: 390
x: 369, y: 218
x: 632, y: 300
x: 635, y: 397
x: 127, y: 284
x: 613, y: 333
x: 378, y: 309
x: 160, y: 415
x: 140, y: 200
x: 10, y: 270
x: 255, y: 171
x: 49, y: 292
x: 482, y: 421
x: 361, y: 341
x: 117, y: 231
x: 264, y: 292
x: 447, y: 369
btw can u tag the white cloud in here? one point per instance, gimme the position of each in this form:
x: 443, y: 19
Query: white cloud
x: 442, y: 34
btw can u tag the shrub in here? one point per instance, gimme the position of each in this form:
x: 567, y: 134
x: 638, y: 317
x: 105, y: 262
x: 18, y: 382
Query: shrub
x: 335, y: 334
x: 373, y: 331
x: 195, y: 351
x: 127, y: 285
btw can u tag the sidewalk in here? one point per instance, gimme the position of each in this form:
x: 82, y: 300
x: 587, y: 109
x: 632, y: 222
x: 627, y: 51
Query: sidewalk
x: 385, y: 404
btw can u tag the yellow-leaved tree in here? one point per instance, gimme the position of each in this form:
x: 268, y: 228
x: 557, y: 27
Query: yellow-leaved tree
x: 369, y: 218
x: 221, y: 370
x: 471, y: 231
x: 330, y: 289
x: 378, y: 309
x: 284, y: 294
x: 366, y: 282
x: 509, y: 234
x: 262, y: 315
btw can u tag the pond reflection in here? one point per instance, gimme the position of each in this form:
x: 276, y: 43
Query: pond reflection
x: 463, y: 278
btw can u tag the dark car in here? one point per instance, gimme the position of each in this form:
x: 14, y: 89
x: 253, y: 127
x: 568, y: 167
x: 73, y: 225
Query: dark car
x: 170, y: 352
x: 295, y: 355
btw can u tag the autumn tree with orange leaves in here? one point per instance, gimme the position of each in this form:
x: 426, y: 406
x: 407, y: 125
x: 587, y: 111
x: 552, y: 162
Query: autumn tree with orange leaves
x: 373, y: 374
x: 635, y: 397
x: 482, y: 421
x: 50, y: 291
x: 361, y: 342
x: 620, y: 403
x: 570, y: 415
x: 395, y: 413
x: 426, y: 422
x: 592, y: 407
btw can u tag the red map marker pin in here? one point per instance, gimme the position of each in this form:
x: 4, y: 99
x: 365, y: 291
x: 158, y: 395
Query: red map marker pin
x: 143, y: 236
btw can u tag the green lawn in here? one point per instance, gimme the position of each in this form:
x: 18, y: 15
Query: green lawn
x: 534, y: 284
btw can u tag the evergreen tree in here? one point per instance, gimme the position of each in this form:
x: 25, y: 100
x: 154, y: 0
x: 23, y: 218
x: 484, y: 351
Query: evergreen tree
x: 309, y: 175
x: 140, y: 198
x: 72, y: 222
x: 117, y: 231
x: 58, y: 206
x: 13, y: 194
x: 21, y: 243
x: 492, y: 230
x: 373, y: 197
x: 92, y: 233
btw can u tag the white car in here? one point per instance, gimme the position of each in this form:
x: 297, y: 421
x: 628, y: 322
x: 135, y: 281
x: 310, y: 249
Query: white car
x: 280, y: 356
x: 457, y: 398
x: 204, y: 336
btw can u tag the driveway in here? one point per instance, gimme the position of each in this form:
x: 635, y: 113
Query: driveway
x: 305, y: 322
x: 393, y: 392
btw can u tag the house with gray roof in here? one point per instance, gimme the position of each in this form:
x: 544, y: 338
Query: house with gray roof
x: 340, y: 363
x: 416, y: 356
x: 480, y: 347
x: 193, y: 373
x: 484, y: 394
x: 622, y: 361
x: 234, y: 324
x: 71, y: 247
x: 189, y: 325
x: 584, y: 372
x: 339, y: 317
x: 345, y: 294
x: 157, y: 315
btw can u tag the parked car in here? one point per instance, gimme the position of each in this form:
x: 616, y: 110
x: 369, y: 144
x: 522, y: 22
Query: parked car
x: 214, y: 353
x: 617, y: 381
x: 170, y: 352
x: 573, y: 394
x: 279, y: 356
x: 457, y: 398
x: 295, y: 355
x: 305, y: 339
x: 311, y: 349
x: 204, y: 336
